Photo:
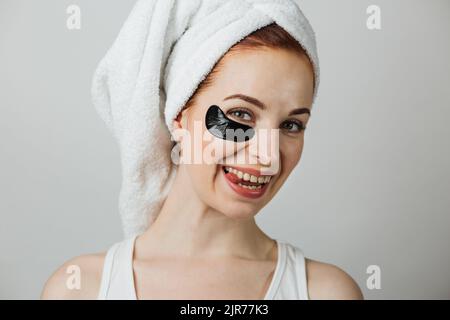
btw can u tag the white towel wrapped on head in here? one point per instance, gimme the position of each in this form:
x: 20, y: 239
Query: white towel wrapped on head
x: 164, y: 50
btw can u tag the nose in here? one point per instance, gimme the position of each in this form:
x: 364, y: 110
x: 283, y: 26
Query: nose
x: 264, y: 147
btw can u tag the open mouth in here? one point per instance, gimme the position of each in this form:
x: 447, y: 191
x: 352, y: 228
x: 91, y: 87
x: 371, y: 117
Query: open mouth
x: 246, y: 182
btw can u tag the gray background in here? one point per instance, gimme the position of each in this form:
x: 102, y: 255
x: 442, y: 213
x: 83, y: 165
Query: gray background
x: 372, y: 186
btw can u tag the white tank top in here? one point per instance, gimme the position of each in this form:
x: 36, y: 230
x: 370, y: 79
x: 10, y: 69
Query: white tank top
x: 288, y: 281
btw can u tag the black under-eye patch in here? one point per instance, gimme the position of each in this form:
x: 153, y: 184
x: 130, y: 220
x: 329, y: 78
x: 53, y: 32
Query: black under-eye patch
x: 220, y: 126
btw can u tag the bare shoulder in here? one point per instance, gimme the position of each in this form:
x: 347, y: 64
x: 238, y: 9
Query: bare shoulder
x: 77, y: 278
x: 329, y: 282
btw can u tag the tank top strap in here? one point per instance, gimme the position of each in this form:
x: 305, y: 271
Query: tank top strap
x: 117, y: 277
x: 300, y: 269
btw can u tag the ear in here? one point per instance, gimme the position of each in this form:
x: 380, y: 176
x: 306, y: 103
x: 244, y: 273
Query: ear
x: 180, y: 122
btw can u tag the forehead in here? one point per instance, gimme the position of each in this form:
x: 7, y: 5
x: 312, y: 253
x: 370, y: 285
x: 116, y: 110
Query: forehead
x: 275, y: 76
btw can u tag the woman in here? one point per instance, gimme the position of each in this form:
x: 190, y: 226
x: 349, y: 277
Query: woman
x: 204, y: 243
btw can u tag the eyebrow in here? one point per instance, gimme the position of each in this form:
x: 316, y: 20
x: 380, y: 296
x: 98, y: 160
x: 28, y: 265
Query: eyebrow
x: 262, y: 106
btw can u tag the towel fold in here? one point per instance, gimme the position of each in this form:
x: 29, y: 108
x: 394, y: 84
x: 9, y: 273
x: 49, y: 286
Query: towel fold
x: 164, y: 50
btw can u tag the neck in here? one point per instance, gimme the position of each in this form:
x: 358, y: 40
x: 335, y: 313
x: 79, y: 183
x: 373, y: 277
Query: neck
x: 186, y: 226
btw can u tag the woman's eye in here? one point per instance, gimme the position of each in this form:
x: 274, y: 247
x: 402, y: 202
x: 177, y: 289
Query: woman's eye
x: 292, y: 126
x: 241, y: 114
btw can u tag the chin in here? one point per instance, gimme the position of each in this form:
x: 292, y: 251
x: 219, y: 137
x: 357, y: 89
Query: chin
x: 237, y: 210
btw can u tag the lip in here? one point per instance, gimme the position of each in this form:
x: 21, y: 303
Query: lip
x: 251, y: 171
x: 233, y: 183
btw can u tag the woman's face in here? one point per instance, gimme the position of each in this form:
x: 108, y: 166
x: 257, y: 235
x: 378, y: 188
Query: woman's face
x: 282, y: 81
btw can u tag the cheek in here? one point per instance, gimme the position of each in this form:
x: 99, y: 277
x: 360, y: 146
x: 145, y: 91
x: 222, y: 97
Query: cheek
x: 291, y: 151
x: 216, y: 151
x: 203, y: 147
x: 202, y: 178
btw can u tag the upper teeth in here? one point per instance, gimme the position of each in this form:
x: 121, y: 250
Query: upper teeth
x: 248, y: 177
